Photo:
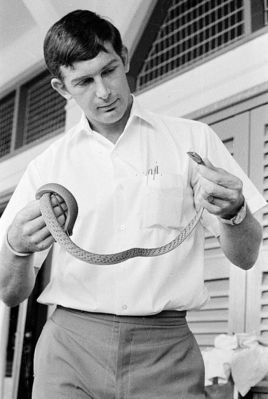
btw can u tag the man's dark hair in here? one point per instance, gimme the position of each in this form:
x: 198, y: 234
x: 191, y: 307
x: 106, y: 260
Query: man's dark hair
x: 78, y: 36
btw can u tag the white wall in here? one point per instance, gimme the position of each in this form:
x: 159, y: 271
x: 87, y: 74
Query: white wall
x: 231, y: 73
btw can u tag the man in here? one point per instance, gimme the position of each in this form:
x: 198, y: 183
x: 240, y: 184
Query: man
x: 120, y: 331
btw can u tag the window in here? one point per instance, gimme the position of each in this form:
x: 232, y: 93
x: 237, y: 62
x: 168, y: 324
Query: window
x: 30, y: 113
x: 7, y: 106
x: 192, y: 30
x: 44, y: 110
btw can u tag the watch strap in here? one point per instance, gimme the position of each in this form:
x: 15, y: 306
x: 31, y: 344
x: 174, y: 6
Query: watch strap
x: 238, y: 218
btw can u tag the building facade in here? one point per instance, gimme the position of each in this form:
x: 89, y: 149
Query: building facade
x: 204, y: 60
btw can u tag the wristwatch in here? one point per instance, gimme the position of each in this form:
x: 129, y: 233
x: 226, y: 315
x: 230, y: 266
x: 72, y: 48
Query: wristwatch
x: 238, y: 218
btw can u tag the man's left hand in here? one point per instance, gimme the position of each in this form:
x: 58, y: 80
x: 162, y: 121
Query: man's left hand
x: 220, y: 192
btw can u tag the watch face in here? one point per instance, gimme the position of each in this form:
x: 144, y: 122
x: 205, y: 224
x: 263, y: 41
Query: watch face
x: 237, y: 219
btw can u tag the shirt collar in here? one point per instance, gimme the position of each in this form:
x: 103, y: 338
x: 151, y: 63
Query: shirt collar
x: 137, y: 111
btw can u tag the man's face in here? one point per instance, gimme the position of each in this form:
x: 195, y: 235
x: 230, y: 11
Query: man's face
x: 99, y: 86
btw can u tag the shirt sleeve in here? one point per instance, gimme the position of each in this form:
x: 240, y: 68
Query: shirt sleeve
x: 23, y: 194
x: 214, y: 149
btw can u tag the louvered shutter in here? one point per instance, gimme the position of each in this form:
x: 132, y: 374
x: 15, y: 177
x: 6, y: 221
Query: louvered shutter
x: 7, y: 106
x: 257, y: 285
x: 44, y: 112
x: 225, y: 282
x: 264, y: 270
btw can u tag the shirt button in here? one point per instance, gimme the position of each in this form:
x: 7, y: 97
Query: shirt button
x: 122, y: 227
x: 124, y: 307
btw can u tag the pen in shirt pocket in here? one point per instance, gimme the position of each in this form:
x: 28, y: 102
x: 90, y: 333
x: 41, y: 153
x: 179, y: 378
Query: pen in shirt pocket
x: 153, y: 174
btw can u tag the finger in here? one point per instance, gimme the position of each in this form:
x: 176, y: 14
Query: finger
x: 38, y: 224
x: 39, y: 235
x: 56, y: 199
x: 212, y: 205
x: 218, y: 203
x: 220, y: 177
x: 209, y: 188
x: 215, y: 206
x: 30, y: 211
x: 41, y: 241
x: 38, y: 238
x: 208, y: 164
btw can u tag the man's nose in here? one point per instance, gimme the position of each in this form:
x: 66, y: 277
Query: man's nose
x: 102, y: 90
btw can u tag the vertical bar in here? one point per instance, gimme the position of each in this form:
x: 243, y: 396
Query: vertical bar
x: 15, y: 120
x: 20, y: 117
x: 247, y: 17
x: 4, y: 329
x: 18, y: 348
x: 265, y: 7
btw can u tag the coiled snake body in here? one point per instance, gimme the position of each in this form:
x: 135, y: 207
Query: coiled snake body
x: 61, y: 234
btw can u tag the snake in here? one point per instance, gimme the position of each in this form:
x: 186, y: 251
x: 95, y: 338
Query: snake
x: 61, y: 234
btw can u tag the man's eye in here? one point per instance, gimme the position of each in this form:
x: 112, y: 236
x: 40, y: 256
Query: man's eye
x: 84, y: 82
x: 108, y: 71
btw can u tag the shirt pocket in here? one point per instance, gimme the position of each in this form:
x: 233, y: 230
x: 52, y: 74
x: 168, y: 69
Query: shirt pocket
x: 162, y: 205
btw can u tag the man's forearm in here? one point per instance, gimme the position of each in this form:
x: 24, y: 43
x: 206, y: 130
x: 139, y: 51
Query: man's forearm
x: 17, y: 277
x: 240, y: 243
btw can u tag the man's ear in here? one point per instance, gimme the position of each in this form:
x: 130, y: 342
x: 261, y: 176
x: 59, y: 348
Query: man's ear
x: 125, y: 58
x: 59, y: 86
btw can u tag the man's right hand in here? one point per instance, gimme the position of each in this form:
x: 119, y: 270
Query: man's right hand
x: 28, y: 232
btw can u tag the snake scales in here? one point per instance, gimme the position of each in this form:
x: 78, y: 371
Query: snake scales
x: 61, y: 234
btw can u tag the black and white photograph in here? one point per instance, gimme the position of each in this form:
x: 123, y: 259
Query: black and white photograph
x: 133, y: 199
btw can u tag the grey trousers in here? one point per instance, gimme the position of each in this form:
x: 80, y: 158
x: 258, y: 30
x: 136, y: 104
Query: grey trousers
x: 83, y: 355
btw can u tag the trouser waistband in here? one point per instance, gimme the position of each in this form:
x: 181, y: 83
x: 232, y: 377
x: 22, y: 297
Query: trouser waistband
x: 164, y: 317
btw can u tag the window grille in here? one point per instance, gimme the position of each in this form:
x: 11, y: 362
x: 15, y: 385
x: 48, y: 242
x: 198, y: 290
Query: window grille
x: 7, y: 106
x: 44, y: 110
x: 191, y: 31
x: 265, y: 12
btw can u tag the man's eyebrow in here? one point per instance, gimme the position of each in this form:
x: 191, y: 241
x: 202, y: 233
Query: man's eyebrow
x: 88, y: 76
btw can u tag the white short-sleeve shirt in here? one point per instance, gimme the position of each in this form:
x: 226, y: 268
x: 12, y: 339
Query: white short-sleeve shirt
x: 138, y: 192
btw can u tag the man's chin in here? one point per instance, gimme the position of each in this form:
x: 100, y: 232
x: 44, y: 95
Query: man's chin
x: 112, y: 116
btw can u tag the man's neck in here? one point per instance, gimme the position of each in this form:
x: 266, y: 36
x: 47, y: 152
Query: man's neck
x: 112, y: 136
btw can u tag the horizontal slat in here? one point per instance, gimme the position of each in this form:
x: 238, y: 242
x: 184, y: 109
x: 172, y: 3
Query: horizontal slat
x: 220, y: 302
x: 264, y: 320
x: 216, y: 267
x: 264, y: 281
x: 264, y: 335
x: 264, y: 309
x: 264, y: 294
x: 211, y: 242
x: 208, y: 315
x: 205, y: 341
x: 265, y: 218
x: 216, y: 327
x: 220, y: 285
x: 265, y: 233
